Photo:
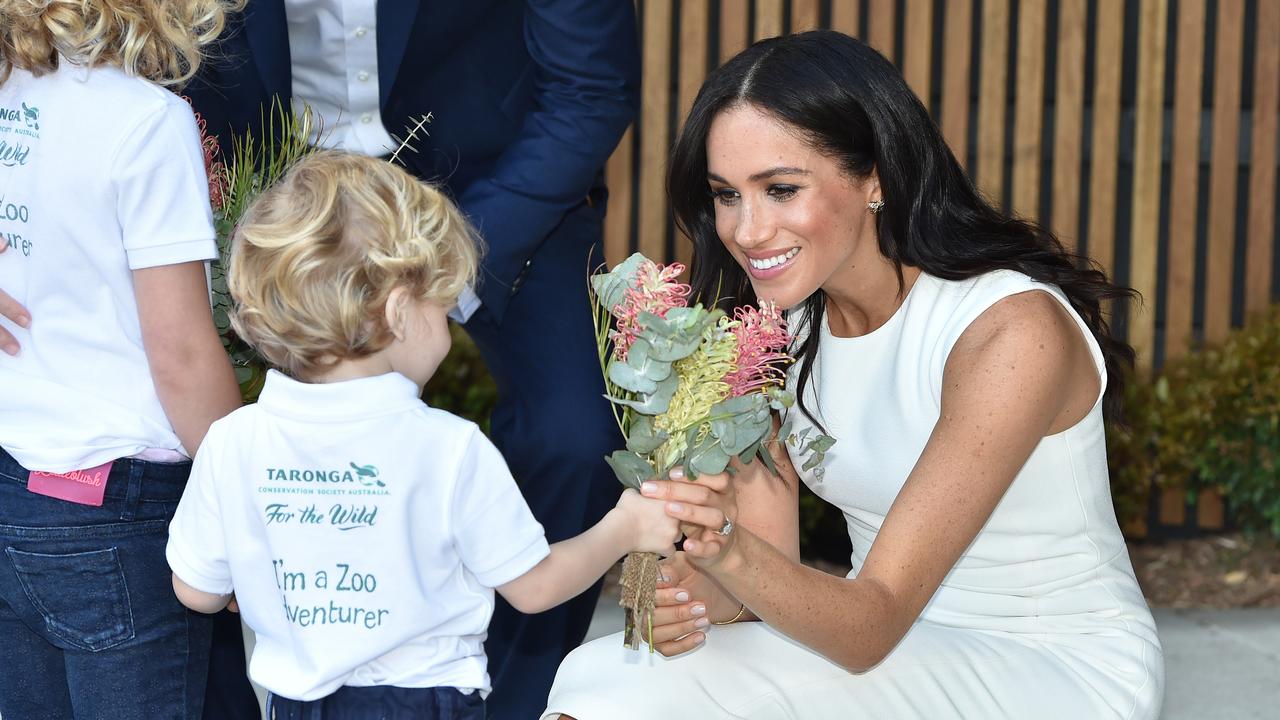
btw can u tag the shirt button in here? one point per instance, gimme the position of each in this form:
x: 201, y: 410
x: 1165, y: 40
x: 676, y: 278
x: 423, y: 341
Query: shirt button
x: 366, y: 118
x: 362, y: 76
x: 361, y: 32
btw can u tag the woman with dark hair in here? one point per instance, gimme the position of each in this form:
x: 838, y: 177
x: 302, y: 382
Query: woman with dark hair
x: 962, y: 362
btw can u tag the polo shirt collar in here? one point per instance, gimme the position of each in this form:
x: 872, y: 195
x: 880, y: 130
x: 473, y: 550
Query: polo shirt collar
x: 344, y: 400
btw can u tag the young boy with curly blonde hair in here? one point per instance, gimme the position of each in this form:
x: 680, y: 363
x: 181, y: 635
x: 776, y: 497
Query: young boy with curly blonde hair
x: 362, y: 532
x: 112, y: 369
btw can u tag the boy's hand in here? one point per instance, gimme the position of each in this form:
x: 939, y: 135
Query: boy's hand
x: 651, y: 528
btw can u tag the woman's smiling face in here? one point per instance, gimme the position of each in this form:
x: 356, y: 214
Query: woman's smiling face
x: 788, y: 215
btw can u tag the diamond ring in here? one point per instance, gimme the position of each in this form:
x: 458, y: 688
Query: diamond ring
x: 725, y: 529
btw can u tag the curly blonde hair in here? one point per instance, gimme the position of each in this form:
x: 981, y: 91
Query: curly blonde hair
x: 316, y: 256
x: 159, y: 40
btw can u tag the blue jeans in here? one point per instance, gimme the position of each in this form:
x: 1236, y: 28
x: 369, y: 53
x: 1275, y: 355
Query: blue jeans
x: 89, y: 625
x: 381, y: 702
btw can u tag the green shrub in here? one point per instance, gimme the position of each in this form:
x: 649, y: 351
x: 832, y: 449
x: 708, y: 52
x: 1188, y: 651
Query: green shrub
x: 462, y: 385
x: 1210, y: 419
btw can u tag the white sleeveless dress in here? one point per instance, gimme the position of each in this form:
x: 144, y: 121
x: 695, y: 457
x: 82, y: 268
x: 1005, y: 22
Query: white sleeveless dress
x: 1041, y: 617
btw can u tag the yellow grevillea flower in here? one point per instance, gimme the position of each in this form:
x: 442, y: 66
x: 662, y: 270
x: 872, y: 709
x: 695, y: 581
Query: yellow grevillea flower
x: 702, y: 384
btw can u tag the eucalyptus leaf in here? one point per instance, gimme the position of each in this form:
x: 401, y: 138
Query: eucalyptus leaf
x: 611, y: 287
x: 630, y: 468
x: 768, y: 461
x: 708, y: 458
x: 641, y: 436
x: 654, y: 403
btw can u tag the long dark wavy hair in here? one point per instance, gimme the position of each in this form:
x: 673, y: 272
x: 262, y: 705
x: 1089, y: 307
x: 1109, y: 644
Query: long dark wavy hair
x: 853, y: 105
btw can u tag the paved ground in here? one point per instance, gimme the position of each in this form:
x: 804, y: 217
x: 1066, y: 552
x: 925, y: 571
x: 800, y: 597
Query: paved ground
x: 1219, y: 664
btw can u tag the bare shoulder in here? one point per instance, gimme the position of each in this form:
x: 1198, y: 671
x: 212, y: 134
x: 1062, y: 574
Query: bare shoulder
x: 1029, y: 339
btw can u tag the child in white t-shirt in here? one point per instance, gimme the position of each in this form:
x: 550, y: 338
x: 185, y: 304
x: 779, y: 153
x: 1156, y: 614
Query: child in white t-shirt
x: 363, y: 532
x: 112, y: 368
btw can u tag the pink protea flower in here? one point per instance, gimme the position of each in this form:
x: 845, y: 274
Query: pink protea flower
x: 654, y: 290
x: 762, y: 341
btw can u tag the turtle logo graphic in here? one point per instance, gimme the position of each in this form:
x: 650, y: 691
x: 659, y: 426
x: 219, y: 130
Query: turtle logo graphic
x: 32, y: 116
x: 367, y: 474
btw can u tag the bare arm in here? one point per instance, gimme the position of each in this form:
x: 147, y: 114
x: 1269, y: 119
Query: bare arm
x: 191, y: 371
x: 635, y: 524
x: 1028, y: 348
x: 199, y: 600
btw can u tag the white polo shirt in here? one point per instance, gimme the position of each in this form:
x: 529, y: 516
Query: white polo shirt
x: 101, y: 174
x: 362, y: 531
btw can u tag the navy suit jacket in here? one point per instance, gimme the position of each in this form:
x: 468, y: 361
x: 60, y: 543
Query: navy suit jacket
x: 528, y: 99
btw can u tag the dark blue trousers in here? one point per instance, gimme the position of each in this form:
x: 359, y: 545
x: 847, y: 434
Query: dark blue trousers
x: 89, y: 625
x: 381, y: 702
x: 554, y: 428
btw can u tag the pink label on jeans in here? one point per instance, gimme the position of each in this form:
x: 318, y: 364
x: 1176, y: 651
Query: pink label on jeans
x: 85, y: 487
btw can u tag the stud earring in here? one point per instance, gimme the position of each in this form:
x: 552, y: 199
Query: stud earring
x: 875, y: 206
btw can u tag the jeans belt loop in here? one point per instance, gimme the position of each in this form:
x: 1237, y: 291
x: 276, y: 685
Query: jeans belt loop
x: 133, y: 492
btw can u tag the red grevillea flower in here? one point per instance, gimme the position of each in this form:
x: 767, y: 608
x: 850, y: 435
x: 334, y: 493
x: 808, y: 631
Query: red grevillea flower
x: 213, y: 165
x: 653, y: 290
x: 762, y: 343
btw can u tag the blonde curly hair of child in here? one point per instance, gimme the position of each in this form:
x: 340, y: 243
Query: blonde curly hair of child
x: 316, y: 256
x: 159, y: 40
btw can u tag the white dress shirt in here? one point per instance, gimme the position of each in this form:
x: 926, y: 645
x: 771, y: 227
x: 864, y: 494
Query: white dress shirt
x: 333, y: 54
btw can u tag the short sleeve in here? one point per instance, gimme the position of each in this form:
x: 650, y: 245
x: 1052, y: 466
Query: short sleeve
x: 162, y: 190
x: 197, y: 549
x: 496, y: 534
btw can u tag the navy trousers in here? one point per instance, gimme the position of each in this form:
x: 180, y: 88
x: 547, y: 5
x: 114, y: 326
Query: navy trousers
x: 554, y: 428
x: 89, y: 625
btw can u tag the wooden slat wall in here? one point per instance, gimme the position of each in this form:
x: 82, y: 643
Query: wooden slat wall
x: 1087, y: 162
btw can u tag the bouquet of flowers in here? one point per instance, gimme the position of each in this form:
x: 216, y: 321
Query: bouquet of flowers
x: 689, y: 386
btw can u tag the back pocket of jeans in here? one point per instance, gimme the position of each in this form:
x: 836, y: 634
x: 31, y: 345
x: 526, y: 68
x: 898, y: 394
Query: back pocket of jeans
x: 82, y: 596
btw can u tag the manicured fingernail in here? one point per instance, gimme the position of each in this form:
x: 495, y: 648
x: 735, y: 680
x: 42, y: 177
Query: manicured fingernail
x: 698, y: 610
x: 699, y: 639
x: 701, y: 622
x: 24, y: 320
x: 683, y: 596
x: 648, y: 488
x: 676, y: 474
x: 690, y: 545
x: 675, y: 507
x: 9, y: 349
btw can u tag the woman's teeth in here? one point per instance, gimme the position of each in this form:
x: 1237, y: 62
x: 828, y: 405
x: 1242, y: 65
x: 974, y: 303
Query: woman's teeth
x: 766, y: 263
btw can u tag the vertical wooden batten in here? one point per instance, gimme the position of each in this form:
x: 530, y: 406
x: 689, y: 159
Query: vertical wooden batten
x: 957, y: 49
x: 1262, y: 164
x: 991, y: 98
x: 1144, y: 233
x: 1028, y: 121
x: 1224, y: 165
x: 1068, y: 121
x: 1184, y: 179
x: 655, y: 136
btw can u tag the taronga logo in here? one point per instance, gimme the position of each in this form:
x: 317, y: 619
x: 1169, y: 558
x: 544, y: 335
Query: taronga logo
x: 366, y: 475
x: 32, y: 116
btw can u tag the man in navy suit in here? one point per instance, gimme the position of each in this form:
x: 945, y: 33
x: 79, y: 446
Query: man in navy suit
x: 528, y: 98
